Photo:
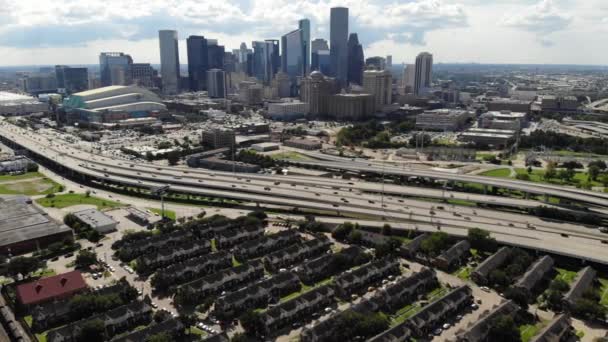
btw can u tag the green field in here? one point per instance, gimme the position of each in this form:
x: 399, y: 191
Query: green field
x: 565, y: 275
x: 404, y: 313
x: 170, y: 214
x: 30, y: 184
x: 290, y: 155
x: 502, y: 173
x: 528, y: 331
x: 603, y: 291
x: 26, y: 175
x: 68, y: 200
x: 464, y: 273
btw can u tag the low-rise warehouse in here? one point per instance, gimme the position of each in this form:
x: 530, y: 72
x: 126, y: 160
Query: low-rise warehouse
x: 96, y: 220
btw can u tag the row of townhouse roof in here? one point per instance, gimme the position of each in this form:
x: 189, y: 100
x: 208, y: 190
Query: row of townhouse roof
x: 424, y: 320
x: 115, y: 321
x: 57, y: 312
x: 535, y: 273
x: 194, y: 267
x: 265, y: 244
x: 452, y: 256
x: 231, y: 237
x: 296, y: 253
x: 481, y: 273
x: 352, y: 281
x: 137, y: 248
x: 323, y: 266
x: 172, y: 327
x: 478, y: 331
x: 583, y: 281
x: 390, y: 297
x: 559, y: 329
x: 297, y: 308
x: 411, y: 249
x: 166, y: 256
x: 7, y: 320
x: 257, y: 295
x: 223, y: 280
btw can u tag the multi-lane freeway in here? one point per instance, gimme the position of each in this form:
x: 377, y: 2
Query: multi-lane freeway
x: 355, y: 199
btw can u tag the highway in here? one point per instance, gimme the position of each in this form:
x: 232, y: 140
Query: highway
x: 355, y: 199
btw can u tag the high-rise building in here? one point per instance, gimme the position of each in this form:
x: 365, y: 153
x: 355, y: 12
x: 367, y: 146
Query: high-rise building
x: 424, y: 70
x: 304, y: 25
x: 169, y: 61
x: 320, y: 54
x: 215, y: 54
x: 379, y: 84
x: 389, y: 62
x: 338, y: 37
x: 230, y: 62
x: 71, y: 80
x: 318, y: 44
x: 407, y: 81
x: 356, y: 61
x: 350, y: 106
x: 115, y: 68
x: 38, y: 83
x: 292, y: 56
x: 143, y: 74
x: 197, y: 62
x: 281, y: 85
x: 315, y: 90
x: 262, y: 61
x: 376, y: 62
x: 275, y: 55
x: 216, y: 83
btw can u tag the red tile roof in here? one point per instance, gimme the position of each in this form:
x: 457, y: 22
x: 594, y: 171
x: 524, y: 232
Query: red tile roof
x: 48, y: 288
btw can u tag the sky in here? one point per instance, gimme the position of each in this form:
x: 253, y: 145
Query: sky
x: 47, y: 32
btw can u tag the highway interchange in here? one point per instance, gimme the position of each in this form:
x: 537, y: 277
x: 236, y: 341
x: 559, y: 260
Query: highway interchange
x: 359, y: 200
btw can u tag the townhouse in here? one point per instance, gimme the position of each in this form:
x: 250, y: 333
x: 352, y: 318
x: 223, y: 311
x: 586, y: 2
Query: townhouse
x: 265, y: 244
x: 357, y: 279
x: 452, y: 256
x: 297, y: 308
x: 231, y: 237
x: 194, y: 267
x: 115, y: 321
x: 478, y: 331
x: 223, y: 280
x: 132, y: 250
x: 406, y: 289
x: 172, y: 327
x: 496, y: 260
x: 422, y: 322
x: 296, y: 253
x: 411, y: 249
x: 584, y: 280
x: 257, y: 295
x: 398, y: 333
x: 167, y: 256
x: 535, y: 273
x: 325, y: 265
x: 559, y: 329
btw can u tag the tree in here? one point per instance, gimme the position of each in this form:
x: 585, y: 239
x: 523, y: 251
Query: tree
x: 355, y: 236
x: 599, y: 163
x: 173, y: 157
x: 387, y: 229
x: 529, y: 169
x: 390, y: 247
x: 342, y: 231
x: 160, y: 337
x: 32, y: 167
x: 550, y: 171
x: 435, y: 243
x: 480, y: 239
x: 92, y: 331
x: 23, y: 265
x: 593, y: 172
x: 519, y: 296
x: 588, y: 309
x: 251, y: 322
x: 85, y: 258
x: 504, y: 329
x: 240, y: 337
x: 499, y: 277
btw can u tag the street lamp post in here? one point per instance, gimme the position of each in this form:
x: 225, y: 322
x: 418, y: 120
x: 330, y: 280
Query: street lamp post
x: 161, y: 191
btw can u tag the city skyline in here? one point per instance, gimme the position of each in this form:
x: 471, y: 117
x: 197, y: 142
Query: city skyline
x: 519, y: 32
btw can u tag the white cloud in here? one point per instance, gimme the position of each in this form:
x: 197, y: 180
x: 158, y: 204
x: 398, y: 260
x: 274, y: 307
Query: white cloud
x: 542, y: 18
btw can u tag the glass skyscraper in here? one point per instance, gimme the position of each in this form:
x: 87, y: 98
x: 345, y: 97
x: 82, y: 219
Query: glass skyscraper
x: 304, y: 25
x: 338, y: 37
x: 197, y: 62
x: 115, y: 68
x: 292, y: 56
x: 169, y: 61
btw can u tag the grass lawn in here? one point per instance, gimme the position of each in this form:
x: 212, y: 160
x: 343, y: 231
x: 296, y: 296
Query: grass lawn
x: 604, y: 291
x: 196, y: 331
x: 213, y: 245
x: 41, y: 337
x: 170, y: 214
x: 528, y: 331
x: 290, y: 155
x: 28, y: 320
x: 436, y: 293
x: 68, y: 200
x: 32, y: 187
x: 305, y: 288
x: 502, y: 173
x: 464, y: 273
x: 537, y: 177
x: 47, y: 272
x: 26, y: 175
x: 565, y: 275
x: 404, y: 313
x: 235, y: 263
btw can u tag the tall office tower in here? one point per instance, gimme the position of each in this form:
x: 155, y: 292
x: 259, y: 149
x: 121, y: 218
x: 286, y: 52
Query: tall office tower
x: 216, y: 83
x: 215, y: 54
x: 282, y: 85
x: 389, y: 62
x: 356, y: 61
x: 304, y: 25
x: 315, y: 90
x: 317, y: 45
x: 249, y: 63
x: 407, y: 81
x: 424, y: 70
x: 143, y: 74
x: 230, y: 62
x: 376, y: 62
x: 338, y: 37
x: 114, y: 68
x: 169, y: 61
x: 198, y: 63
x: 275, y: 55
x: 292, y: 56
x: 71, y: 80
x: 262, y: 61
x: 378, y: 83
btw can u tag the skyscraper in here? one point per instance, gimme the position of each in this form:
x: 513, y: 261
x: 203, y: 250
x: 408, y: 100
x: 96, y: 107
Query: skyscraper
x: 71, y: 80
x: 143, y: 74
x: 389, y: 62
x: 338, y: 37
x: 215, y: 54
x: 424, y: 69
x: 320, y: 56
x: 376, y: 62
x: 409, y: 75
x: 356, y: 61
x: 169, y: 61
x: 216, y: 83
x: 198, y: 63
x: 292, y: 56
x: 304, y: 25
x: 275, y: 55
x: 263, y: 61
x: 316, y: 90
x: 379, y: 84
x: 115, y: 68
